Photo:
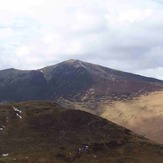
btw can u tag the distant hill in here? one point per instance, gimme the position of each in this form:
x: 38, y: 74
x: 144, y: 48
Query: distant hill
x: 39, y: 131
x: 75, y: 80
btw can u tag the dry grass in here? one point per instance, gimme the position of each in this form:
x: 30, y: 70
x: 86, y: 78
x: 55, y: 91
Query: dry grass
x: 143, y: 115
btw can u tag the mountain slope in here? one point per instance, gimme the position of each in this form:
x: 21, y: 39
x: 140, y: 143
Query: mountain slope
x: 82, y: 81
x: 18, y: 85
x: 73, y: 80
x: 143, y: 115
x: 40, y: 131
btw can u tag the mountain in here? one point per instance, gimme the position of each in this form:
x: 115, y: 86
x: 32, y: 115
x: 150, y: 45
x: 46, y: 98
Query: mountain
x: 40, y: 131
x: 73, y: 80
x: 124, y: 98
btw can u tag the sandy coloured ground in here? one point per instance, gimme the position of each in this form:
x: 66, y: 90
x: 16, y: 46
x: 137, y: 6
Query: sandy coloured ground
x: 143, y: 115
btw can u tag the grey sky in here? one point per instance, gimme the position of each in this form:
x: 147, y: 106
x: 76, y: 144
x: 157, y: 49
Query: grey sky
x: 121, y: 34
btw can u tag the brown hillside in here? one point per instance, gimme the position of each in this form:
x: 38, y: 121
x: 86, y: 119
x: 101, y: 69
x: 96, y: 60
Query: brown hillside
x: 40, y: 131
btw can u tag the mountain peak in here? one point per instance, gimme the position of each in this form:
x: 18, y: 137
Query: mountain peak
x: 76, y: 63
x: 71, y: 61
x: 73, y: 79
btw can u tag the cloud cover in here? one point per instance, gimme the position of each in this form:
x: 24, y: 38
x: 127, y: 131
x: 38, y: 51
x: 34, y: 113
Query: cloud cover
x: 121, y: 34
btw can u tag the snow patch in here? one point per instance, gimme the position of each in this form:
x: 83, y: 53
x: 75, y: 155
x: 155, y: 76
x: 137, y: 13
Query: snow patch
x: 17, y: 110
x: 82, y: 65
x: 83, y: 149
x: 18, y: 115
x: 5, y: 154
x: 86, y: 147
x: 2, y: 128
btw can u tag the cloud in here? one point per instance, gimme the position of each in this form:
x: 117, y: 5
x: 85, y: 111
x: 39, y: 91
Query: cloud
x: 157, y: 72
x: 125, y: 35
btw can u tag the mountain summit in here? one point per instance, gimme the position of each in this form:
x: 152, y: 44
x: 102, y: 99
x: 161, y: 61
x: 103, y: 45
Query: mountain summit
x: 73, y: 79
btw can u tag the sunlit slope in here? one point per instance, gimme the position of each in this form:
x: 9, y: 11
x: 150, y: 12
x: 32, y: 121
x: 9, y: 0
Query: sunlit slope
x: 143, y: 115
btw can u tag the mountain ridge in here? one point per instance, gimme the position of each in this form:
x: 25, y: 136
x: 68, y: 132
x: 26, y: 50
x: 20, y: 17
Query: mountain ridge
x: 81, y: 63
x: 72, y: 79
x: 84, y: 64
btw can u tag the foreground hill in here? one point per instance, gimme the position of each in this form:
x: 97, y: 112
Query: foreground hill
x: 73, y: 80
x: 40, y: 131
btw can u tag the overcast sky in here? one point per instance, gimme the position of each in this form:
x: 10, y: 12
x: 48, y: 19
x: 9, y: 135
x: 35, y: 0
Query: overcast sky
x: 121, y: 34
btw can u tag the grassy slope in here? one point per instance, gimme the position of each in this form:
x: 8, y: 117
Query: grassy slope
x: 143, y: 115
x: 49, y: 133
